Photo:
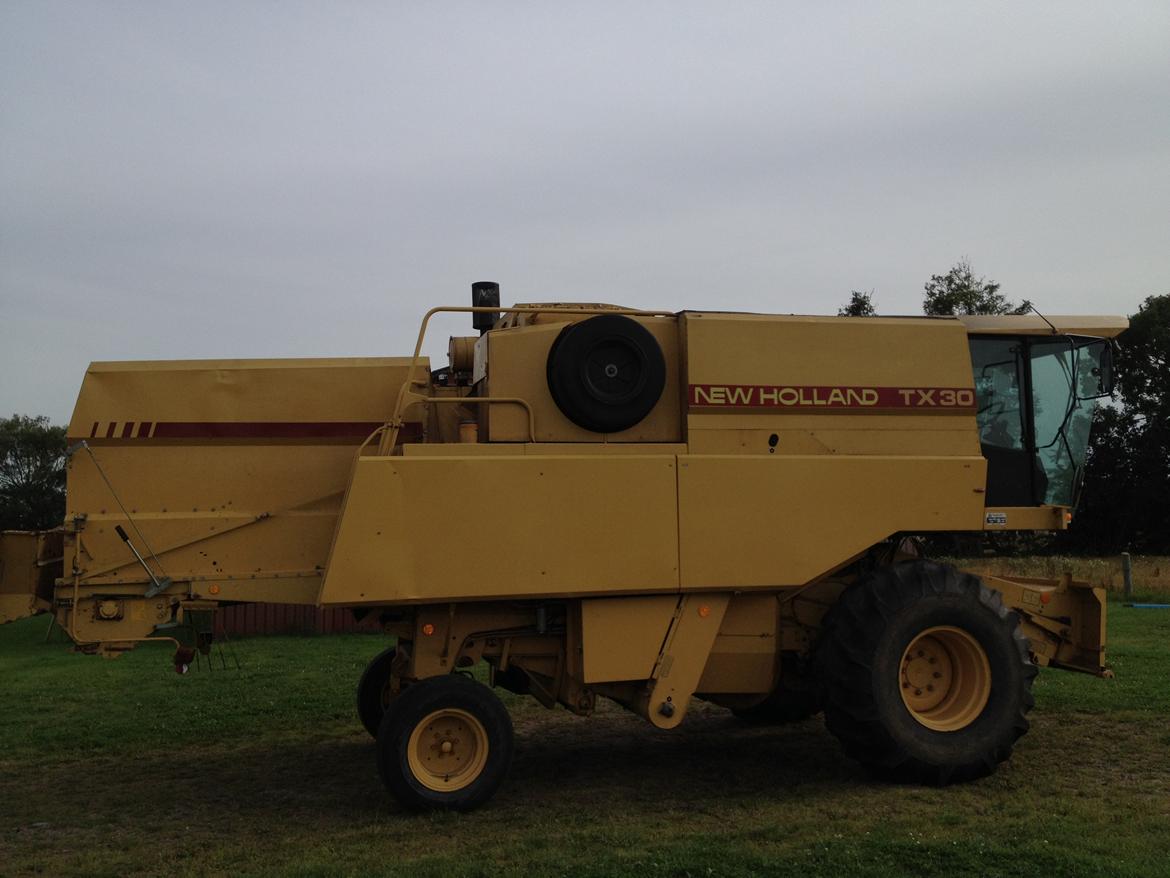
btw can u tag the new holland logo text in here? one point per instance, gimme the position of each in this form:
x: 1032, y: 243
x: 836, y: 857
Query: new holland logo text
x: 808, y: 397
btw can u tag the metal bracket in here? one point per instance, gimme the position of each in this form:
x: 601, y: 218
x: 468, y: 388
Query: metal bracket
x: 159, y: 585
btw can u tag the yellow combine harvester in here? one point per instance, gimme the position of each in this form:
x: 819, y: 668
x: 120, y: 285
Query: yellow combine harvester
x: 600, y: 502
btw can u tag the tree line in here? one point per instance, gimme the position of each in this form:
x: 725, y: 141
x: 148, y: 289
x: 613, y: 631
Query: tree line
x: 1125, y: 504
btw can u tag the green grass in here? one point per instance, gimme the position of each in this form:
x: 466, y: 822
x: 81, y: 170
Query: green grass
x: 124, y: 768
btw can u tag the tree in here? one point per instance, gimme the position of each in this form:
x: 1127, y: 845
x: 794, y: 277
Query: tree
x: 32, y: 473
x: 1144, y: 363
x: 860, y: 305
x: 1126, y: 502
x: 959, y: 291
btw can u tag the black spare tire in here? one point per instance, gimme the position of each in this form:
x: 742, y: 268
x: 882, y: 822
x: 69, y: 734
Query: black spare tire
x: 606, y: 373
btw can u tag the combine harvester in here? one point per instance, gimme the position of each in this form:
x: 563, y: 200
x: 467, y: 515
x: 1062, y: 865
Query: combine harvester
x: 595, y: 501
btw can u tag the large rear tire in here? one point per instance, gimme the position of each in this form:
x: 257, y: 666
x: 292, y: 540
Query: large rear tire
x: 925, y: 676
x: 445, y: 744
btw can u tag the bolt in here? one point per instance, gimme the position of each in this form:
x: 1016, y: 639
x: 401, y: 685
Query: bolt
x: 937, y: 674
x: 917, y: 691
x: 666, y: 709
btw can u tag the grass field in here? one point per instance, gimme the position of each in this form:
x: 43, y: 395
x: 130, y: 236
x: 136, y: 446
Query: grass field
x: 124, y: 768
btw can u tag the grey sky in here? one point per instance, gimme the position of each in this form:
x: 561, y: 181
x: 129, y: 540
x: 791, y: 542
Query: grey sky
x: 279, y: 179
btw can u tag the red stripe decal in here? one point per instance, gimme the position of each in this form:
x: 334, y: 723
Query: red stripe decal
x: 276, y: 430
x: 144, y: 429
x: 127, y: 429
x: 813, y: 398
x: 93, y: 432
x: 110, y: 429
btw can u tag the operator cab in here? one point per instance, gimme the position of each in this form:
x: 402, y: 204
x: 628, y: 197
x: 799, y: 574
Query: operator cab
x: 1034, y: 400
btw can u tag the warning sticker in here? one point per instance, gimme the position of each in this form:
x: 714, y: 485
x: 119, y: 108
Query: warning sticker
x: 999, y: 518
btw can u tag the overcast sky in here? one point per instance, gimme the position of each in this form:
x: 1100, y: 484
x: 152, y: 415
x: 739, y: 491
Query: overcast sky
x: 279, y: 179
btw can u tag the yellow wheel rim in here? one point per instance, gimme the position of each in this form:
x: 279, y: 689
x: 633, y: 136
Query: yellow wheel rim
x: 447, y: 750
x: 945, y: 678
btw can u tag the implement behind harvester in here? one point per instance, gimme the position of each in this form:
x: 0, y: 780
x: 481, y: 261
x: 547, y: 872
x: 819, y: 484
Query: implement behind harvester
x: 601, y: 502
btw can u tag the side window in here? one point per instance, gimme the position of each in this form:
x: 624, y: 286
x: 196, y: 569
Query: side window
x: 1065, y: 379
x: 996, y: 364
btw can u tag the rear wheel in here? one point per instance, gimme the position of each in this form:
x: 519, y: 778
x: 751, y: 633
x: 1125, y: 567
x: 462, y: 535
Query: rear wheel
x: 445, y: 744
x: 925, y: 675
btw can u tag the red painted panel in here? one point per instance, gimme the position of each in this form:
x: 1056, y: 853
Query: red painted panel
x: 241, y: 620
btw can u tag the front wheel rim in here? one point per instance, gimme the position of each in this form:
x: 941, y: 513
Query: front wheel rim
x: 945, y: 678
x: 448, y: 750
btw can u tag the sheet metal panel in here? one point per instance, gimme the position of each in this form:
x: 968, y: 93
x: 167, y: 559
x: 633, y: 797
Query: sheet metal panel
x: 501, y: 527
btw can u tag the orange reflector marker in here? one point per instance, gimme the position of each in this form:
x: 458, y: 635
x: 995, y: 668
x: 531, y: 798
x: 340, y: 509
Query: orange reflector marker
x: 704, y: 611
x: 1068, y: 518
x: 214, y: 589
x: 428, y: 629
x: 1045, y: 597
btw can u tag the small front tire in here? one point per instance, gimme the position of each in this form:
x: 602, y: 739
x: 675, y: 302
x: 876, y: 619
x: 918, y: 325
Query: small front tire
x: 445, y: 744
x: 374, y: 692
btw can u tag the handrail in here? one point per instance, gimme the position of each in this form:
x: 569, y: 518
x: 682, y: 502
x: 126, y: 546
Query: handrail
x: 509, y: 400
x: 394, y: 424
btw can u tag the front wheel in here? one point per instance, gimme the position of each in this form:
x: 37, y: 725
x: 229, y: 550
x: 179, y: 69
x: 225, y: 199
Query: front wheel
x: 925, y: 676
x: 445, y: 744
x: 375, y: 690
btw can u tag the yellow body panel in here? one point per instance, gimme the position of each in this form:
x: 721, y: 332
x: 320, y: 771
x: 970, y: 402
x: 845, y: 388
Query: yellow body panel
x: 354, y: 389
x: 743, y: 656
x: 507, y: 526
x: 27, y: 564
x: 756, y: 522
x: 232, y: 471
x: 621, y: 637
x: 1102, y: 326
x: 555, y: 449
x: 903, y: 435
x: 730, y: 349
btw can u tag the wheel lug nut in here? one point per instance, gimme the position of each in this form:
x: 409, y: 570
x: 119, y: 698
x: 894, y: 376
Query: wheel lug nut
x: 917, y: 691
x: 937, y: 675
